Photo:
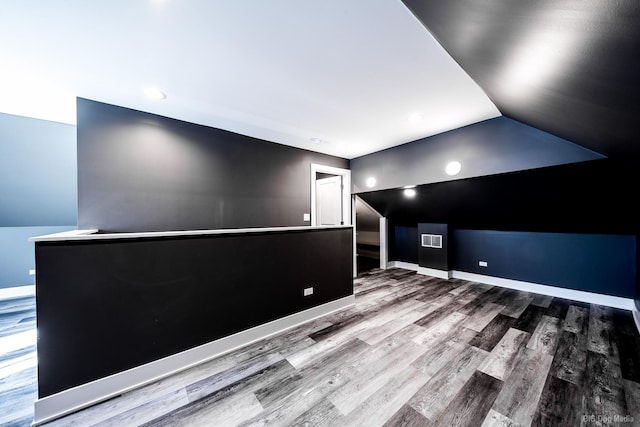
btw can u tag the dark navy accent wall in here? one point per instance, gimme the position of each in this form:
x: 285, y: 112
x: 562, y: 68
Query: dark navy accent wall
x: 597, y: 263
x: 403, y: 243
x: 143, y: 172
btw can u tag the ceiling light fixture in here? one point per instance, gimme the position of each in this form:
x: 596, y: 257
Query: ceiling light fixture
x: 371, y: 182
x: 453, y: 168
x: 153, y: 92
x: 409, y: 186
x: 316, y: 141
x: 409, y: 192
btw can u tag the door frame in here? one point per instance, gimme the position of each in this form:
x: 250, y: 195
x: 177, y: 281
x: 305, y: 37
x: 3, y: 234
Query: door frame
x: 346, y: 191
x: 348, y: 201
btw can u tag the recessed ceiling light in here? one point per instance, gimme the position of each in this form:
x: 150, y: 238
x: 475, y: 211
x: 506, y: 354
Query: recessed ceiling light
x: 154, y: 93
x: 409, y: 192
x: 317, y: 141
x: 409, y: 186
x: 415, y: 118
x: 453, y: 168
x: 371, y: 182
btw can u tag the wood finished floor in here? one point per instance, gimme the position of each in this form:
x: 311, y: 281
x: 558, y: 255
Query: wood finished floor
x: 18, y: 363
x: 414, y: 351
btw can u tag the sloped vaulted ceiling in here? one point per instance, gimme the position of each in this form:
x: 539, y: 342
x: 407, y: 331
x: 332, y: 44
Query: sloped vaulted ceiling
x: 568, y: 67
x: 334, y: 76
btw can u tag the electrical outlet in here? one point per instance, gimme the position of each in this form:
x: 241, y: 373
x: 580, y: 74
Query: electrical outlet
x: 306, y: 217
x: 483, y: 263
x: 308, y: 291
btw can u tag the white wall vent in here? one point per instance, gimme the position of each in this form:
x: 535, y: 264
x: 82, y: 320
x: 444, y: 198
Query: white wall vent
x: 431, y: 240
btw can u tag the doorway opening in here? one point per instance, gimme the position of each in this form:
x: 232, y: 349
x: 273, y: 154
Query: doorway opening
x: 368, y: 248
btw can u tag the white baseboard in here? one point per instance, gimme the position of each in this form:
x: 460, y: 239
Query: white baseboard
x: 554, y: 291
x: 17, y: 292
x: 82, y: 396
x: 442, y: 274
x: 403, y: 265
x: 636, y: 317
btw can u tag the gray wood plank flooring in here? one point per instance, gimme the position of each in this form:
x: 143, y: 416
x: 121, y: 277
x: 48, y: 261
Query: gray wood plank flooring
x: 18, y: 365
x: 413, y: 351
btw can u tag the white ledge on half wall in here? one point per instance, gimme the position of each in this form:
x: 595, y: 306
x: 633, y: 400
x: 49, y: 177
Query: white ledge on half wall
x: 64, y: 235
x: 95, y: 235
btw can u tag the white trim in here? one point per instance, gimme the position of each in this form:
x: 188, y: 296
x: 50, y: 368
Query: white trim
x: 403, y: 265
x: 553, y: 291
x: 17, y: 292
x: 346, y: 190
x: 91, y: 234
x: 443, y: 274
x: 66, y: 235
x: 74, y: 399
x: 355, y: 237
x: 384, y: 253
x: 636, y: 317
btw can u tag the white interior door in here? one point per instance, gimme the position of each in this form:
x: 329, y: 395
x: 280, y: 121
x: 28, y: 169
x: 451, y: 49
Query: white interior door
x: 329, y: 201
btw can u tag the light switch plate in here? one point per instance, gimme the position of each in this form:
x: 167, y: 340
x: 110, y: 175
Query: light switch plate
x: 307, y: 217
x: 483, y: 263
x: 308, y: 291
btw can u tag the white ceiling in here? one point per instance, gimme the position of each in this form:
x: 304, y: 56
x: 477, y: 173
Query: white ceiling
x: 349, y: 72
